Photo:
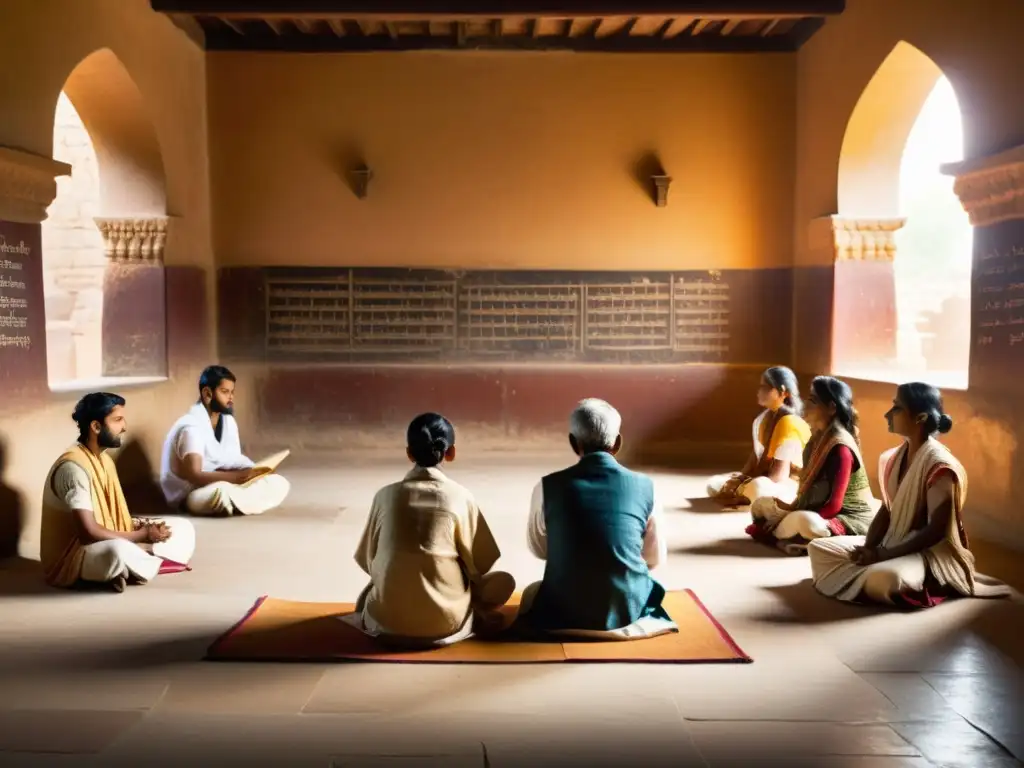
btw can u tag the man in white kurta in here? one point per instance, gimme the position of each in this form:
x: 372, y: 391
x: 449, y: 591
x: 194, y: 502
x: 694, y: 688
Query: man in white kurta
x: 203, y: 469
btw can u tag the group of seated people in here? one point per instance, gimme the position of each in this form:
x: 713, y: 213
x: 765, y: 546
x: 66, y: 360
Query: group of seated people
x: 88, y: 534
x: 429, y: 552
x: 808, y: 492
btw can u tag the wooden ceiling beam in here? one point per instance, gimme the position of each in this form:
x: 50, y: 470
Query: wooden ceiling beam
x: 767, y: 28
x: 337, y: 27
x: 223, y: 39
x: 730, y: 26
x: 678, y: 25
x: 610, y: 26
x: 235, y: 26
x: 491, y: 8
x: 700, y: 26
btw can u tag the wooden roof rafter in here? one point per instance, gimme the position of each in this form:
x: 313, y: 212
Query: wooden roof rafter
x: 610, y: 26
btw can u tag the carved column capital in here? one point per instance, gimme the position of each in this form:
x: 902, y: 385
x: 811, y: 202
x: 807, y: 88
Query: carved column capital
x: 28, y: 184
x: 134, y: 240
x: 991, y: 189
x: 864, y: 239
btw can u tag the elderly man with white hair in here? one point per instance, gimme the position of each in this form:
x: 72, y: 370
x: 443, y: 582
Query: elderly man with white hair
x: 598, y: 527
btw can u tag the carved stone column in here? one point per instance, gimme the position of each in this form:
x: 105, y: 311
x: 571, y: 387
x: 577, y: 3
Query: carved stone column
x: 864, y: 322
x: 134, y: 296
x: 27, y: 188
x: 991, y: 190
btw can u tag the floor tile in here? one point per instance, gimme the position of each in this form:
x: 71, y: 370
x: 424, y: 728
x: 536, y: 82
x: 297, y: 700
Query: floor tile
x: 62, y: 731
x: 955, y: 745
x: 240, y: 688
x: 912, y: 696
x: 780, y: 741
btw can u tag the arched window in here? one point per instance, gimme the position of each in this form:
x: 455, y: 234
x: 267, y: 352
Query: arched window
x: 105, y: 232
x: 904, y: 242
x: 74, y: 260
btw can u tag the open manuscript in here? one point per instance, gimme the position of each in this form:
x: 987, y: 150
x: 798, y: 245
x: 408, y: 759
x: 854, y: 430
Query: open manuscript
x: 267, y: 466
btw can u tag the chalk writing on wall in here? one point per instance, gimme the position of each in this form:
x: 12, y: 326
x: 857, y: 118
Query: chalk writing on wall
x: 565, y: 316
x: 14, y: 300
x: 999, y: 299
x: 22, y: 314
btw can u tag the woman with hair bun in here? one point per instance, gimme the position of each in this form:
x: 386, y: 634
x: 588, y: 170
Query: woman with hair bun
x: 779, y: 435
x: 916, y: 552
x: 834, y: 498
x: 428, y: 551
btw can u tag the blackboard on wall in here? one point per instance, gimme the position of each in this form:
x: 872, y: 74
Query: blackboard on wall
x: 22, y: 312
x: 997, y: 308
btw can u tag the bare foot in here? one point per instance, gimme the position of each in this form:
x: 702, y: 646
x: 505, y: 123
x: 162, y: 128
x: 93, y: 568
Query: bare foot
x: 488, y: 622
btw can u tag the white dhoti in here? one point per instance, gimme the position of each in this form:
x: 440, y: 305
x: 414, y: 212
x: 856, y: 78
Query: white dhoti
x: 836, y: 575
x: 108, y: 559
x: 785, y: 525
x: 756, y: 488
x: 253, y: 498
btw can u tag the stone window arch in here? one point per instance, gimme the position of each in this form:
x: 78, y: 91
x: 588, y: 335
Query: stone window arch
x: 105, y: 232
x: 902, y: 294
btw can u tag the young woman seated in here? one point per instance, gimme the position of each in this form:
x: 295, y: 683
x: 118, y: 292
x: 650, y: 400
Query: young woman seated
x: 834, y: 497
x: 916, y: 552
x: 780, y: 435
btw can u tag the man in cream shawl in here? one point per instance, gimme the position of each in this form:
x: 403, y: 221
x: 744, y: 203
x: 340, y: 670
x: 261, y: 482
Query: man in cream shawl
x: 88, y: 534
x: 203, y: 469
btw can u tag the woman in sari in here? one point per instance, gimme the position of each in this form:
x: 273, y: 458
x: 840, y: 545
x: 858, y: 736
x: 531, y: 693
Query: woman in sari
x: 834, y: 497
x: 780, y: 435
x: 916, y: 552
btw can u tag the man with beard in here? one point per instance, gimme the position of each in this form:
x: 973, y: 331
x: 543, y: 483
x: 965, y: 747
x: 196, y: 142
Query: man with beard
x: 88, y: 534
x: 203, y: 469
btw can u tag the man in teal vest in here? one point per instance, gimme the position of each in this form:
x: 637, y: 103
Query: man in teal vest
x: 596, y: 524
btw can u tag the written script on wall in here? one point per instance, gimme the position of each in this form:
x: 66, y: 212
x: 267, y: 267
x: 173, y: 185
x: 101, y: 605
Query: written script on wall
x: 403, y: 315
x: 999, y: 301
x: 22, y: 317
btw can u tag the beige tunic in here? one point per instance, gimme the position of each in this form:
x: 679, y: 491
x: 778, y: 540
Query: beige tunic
x: 424, y: 545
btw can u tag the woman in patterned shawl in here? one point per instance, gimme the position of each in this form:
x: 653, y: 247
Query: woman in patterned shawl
x: 834, y: 497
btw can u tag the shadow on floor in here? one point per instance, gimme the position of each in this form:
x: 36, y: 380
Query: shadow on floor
x: 745, y: 547
x: 21, y: 576
x: 703, y: 506
x: 803, y: 604
x: 12, y: 509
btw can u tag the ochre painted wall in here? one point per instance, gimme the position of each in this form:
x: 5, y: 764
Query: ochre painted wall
x: 41, y: 42
x: 502, y: 160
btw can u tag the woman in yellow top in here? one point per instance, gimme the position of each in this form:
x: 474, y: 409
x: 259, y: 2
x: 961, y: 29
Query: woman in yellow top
x: 780, y: 436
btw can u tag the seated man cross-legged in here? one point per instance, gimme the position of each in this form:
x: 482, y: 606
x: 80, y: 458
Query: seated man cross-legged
x: 598, y: 527
x: 203, y: 469
x: 429, y: 553
x: 88, y: 534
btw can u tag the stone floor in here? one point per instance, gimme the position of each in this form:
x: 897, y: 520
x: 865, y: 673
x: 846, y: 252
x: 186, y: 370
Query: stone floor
x: 104, y: 679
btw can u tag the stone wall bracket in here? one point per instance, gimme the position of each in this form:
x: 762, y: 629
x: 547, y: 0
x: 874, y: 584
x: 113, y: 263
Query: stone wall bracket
x: 661, y: 185
x: 359, y: 178
x: 991, y: 189
x: 28, y: 185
